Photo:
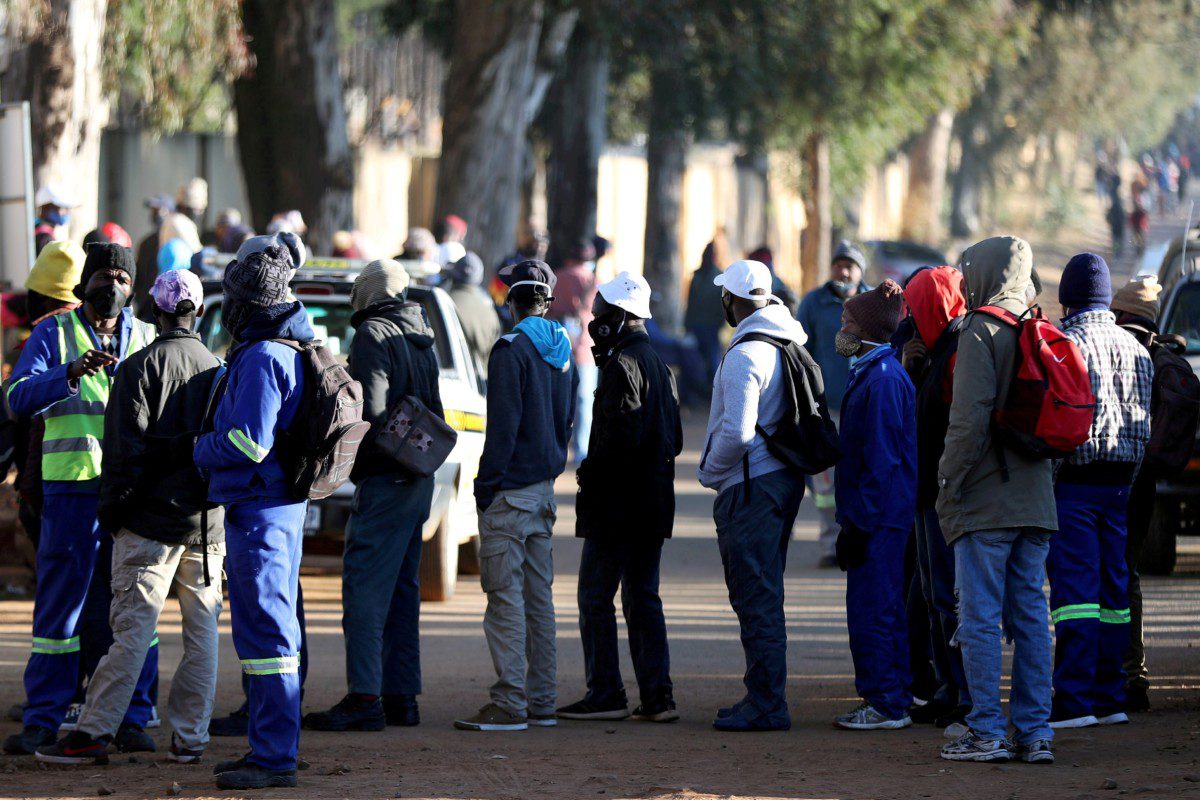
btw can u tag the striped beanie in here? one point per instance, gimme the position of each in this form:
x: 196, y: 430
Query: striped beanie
x: 379, y: 281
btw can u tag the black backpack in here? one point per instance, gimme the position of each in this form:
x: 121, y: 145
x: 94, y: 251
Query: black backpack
x: 1174, y: 409
x: 319, y: 448
x: 805, y: 438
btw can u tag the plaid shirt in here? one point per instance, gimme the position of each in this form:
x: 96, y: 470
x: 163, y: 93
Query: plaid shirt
x: 1122, y: 376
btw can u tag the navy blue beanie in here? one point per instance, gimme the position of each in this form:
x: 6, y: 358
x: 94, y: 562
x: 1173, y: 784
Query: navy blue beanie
x: 1085, y: 282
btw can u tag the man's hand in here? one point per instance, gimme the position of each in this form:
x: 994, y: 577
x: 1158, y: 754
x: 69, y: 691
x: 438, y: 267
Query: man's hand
x: 89, y: 363
x: 913, y: 354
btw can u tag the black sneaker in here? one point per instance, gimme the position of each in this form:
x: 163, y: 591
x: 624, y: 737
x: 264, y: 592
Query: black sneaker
x: 618, y: 708
x: 76, y: 747
x: 252, y: 776
x: 236, y: 724
x: 16, y: 712
x: 352, y: 713
x: 401, y: 709
x: 657, y: 711
x: 28, y: 740
x: 1137, y: 698
x: 182, y: 755
x: 132, y: 739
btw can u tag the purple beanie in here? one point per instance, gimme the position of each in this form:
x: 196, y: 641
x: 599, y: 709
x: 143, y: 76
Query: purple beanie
x: 1085, y: 282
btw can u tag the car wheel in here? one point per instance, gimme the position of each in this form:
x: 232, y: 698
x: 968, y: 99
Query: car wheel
x: 439, y: 564
x: 1158, y: 552
x: 468, y: 556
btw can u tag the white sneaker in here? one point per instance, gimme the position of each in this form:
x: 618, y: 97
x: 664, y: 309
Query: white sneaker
x: 154, y: 721
x: 71, y: 720
x: 1077, y: 722
x: 970, y: 747
x: 955, y: 730
x: 1119, y: 718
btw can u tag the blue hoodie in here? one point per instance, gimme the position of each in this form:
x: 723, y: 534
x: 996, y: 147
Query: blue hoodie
x: 530, y: 409
x: 265, y: 385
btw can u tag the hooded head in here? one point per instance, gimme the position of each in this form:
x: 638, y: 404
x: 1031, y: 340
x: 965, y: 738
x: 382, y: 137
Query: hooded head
x: 997, y: 271
x: 379, y: 281
x: 935, y: 298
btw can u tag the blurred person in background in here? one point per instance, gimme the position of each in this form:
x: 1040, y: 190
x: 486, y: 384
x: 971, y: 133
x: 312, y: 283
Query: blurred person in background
x: 704, y: 318
x: 449, y: 232
x: 476, y: 312
x: 54, y: 208
x: 227, y: 219
x: 190, y: 203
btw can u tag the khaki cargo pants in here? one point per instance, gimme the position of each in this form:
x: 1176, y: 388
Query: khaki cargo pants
x: 517, y: 573
x: 142, y: 573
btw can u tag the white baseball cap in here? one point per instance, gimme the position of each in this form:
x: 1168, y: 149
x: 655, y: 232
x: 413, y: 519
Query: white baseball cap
x: 628, y: 292
x: 53, y: 195
x: 747, y: 279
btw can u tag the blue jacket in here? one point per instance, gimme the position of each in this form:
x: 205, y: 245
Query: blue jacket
x: 265, y: 385
x: 820, y: 315
x: 530, y: 409
x: 877, y: 476
x: 39, y: 380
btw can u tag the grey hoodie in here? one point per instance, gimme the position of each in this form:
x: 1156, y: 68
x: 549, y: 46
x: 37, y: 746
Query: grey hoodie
x: 973, y: 494
x: 747, y: 390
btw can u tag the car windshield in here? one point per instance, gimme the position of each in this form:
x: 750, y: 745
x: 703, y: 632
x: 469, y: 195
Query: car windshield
x: 1185, y: 316
x: 330, y: 320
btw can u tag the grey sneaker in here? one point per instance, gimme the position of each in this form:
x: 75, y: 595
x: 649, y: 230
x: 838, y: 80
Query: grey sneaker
x: 1038, y: 752
x: 492, y: 718
x: 866, y: 718
x: 542, y: 720
x: 970, y: 747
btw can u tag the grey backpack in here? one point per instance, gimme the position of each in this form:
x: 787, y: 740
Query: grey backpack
x: 414, y: 437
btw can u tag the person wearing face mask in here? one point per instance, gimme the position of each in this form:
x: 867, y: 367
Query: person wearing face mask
x: 876, y: 502
x: 821, y: 317
x: 636, y: 436
x: 64, y: 375
x: 757, y: 495
x: 54, y: 212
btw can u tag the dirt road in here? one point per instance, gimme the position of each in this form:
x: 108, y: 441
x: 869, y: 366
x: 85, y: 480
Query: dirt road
x: 1157, y: 755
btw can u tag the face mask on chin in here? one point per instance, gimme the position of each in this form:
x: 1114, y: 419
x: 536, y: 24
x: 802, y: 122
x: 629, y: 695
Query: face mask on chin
x: 107, y: 301
x: 847, y: 345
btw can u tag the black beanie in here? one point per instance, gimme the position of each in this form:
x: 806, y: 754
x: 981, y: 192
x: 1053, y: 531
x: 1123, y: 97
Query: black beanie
x: 102, y: 255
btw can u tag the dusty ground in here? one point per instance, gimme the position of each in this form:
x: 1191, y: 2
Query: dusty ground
x: 1157, y: 756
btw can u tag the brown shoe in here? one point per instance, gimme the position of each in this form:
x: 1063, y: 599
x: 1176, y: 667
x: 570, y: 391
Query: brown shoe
x: 492, y: 718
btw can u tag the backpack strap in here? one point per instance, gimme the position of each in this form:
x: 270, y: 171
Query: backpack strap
x: 292, y: 343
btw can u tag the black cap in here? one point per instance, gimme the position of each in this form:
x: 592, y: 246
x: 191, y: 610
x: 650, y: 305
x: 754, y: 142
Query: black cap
x: 527, y: 273
x: 101, y: 255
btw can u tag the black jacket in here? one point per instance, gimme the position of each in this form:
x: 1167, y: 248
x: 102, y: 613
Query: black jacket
x: 392, y: 357
x: 627, y: 481
x: 933, y: 412
x: 148, y: 482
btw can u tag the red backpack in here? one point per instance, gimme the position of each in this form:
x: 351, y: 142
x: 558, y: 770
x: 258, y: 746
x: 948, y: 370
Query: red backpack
x: 1050, y: 404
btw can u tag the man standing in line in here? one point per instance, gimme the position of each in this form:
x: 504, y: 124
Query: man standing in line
x: 476, y: 312
x: 64, y: 375
x: 996, y: 509
x: 532, y: 386
x: 820, y: 316
x: 263, y: 522
x: 757, y: 496
x: 636, y: 436
x: 392, y: 357
x: 153, y: 498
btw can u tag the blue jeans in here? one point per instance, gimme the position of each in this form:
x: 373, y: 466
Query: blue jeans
x: 1089, y: 598
x: 635, y: 568
x: 877, y: 624
x: 1000, y: 575
x: 935, y: 560
x: 754, y: 526
x: 381, y: 585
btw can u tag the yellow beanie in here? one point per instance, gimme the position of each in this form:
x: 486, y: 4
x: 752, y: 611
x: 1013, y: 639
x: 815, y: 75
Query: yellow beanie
x: 57, y: 270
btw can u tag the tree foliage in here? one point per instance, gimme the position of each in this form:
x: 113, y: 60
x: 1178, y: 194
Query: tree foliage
x: 170, y: 62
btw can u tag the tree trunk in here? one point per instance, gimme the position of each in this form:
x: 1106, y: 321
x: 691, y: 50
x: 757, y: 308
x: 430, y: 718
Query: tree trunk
x: 504, y: 54
x: 58, y: 71
x: 666, y: 161
x: 292, y: 120
x: 575, y: 115
x: 927, y: 162
x: 815, y: 245
x: 967, y: 195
